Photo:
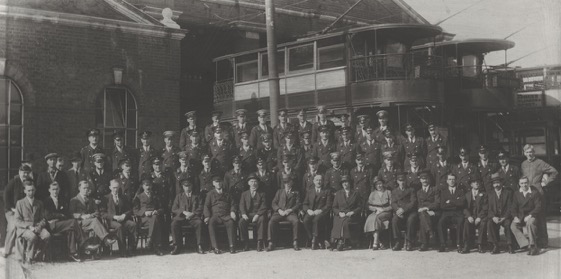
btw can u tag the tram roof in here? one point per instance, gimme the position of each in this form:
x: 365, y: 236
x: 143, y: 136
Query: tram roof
x: 409, y: 31
x: 471, y: 45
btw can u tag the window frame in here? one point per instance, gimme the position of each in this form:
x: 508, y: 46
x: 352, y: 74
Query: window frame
x: 105, y: 129
x: 288, y: 62
x: 330, y: 47
x: 9, y: 168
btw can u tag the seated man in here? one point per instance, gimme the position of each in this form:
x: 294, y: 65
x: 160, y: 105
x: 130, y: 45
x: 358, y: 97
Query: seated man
x: 317, y: 205
x: 13, y: 192
x: 404, y: 204
x: 85, y: 211
x: 148, y: 209
x: 285, y: 207
x: 526, y: 206
x: 30, y: 225
x: 60, y: 221
x: 475, y: 216
x: 187, y: 208
x: 428, y: 201
x: 220, y: 209
x: 347, y: 205
x: 253, y: 209
x: 500, y: 201
x: 117, y: 210
x: 452, y: 204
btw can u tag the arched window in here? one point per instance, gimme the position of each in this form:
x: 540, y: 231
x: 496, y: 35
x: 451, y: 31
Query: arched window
x: 11, y: 129
x: 116, y: 110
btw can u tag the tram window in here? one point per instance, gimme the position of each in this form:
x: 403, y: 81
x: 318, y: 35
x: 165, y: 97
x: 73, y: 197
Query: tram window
x: 301, y: 58
x: 246, y: 71
x: 331, y: 56
x: 265, y: 64
x: 224, y: 70
x: 469, y: 63
x: 535, y: 137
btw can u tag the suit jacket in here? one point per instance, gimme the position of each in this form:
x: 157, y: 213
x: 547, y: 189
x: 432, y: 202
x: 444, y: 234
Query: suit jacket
x: 29, y: 214
x: 256, y: 205
x: 60, y: 212
x: 500, y: 207
x: 100, y: 182
x: 405, y: 199
x: 143, y: 203
x: 452, y: 202
x: 44, y: 181
x: 286, y: 201
x: 429, y: 199
x: 111, y: 209
x: 182, y: 203
x: 485, y: 173
x: 529, y: 205
x: 87, y: 153
x: 477, y: 208
x: 343, y: 204
x: 170, y: 158
x: 315, y: 201
x: 13, y: 193
x: 322, y: 152
x: 79, y: 206
x: 144, y: 163
x: 218, y: 204
x: 432, y: 148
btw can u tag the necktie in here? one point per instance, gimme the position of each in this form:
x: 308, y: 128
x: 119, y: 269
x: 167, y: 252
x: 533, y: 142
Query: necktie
x: 317, y: 191
x: 452, y: 191
x: 347, y: 195
x: 252, y: 194
x: 56, y: 203
x: 116, y: 199
x: 426, y: 189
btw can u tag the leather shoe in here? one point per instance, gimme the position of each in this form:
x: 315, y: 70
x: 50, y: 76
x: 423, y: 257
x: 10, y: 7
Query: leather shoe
x: 327, y: 245
x: 382, y: 246
x: 510, y: 249
x: 495, y: 250
x: 175, y: 250
x: 233, y: 250
x: 340, y: 245
x: 424, y: 247
x: 200, y: 249
x: 459, y: 248
x: 217, y: 251
x: 108, y: 240
x: 408, y: 246
x: 465, y: 250
x: 535, y: 251
x: 397, y: 246
x: 295, y: 244
x: 269, y: 248
x: 246, y: 247
x: 375, y: 246
x: 530, y: 250
x: 314, y: 244
x: 75, y: 257
x: 442, y: 249
x: 259, y: 246
x: 481, y: 248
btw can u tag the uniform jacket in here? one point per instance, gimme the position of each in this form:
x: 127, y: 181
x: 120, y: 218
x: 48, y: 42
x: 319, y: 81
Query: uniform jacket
x: 170, y: 158
x: 116, y: 156
x: 221, y: 154
x: 389, y: 176
x: 268, y: 185
x: 308, y: 126
x: 249, y: 158
x: 485, y: 173
x: 257, y: 132
x: 237, y: 130
x: 256, y: 205
x: 185, y: 136
x: 322, y: 151
x: 74, y: 176
x: 179, y: 175
x: 163, y: 186
x: 128, y: 186
x: 29, y: 214
x: 314, y: 201
x: 192, y: 204
x: 510, y: 177
x: 477, y: 208
x: 87, y: 153
x: 308, y: 181
x: 144, y: 163
x: 464, y: 175
x: 270, y: 157
x: 286, y: 201
x: 412, y: 178
x: 100, y: 182
x: 432, y: 148
x: 278, y: 134
x: 205, y: 181
x: 362, y: 181
x: 439, y: 173
x: 371, y: 153
x: 414, y: 147
x: 332, y: 179
x: 235, y: 183
x: 315, y: 131
x: 294, y: 151
x: 347, y: 151
x: 396, y: 149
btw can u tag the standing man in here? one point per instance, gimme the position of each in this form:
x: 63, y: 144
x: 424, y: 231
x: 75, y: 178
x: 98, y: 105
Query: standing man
x: 220, y: 209
x: 267, y: 181
x: 371, y: 150
x: 184, y: 139
x: 204, y: 184
x: 99, y: 178
x: 185, y: 171
x: 465, y: 171
x: 280, y: 130
x: 75, y: 174
x: 268, y: 153
x: 475, y: 216
x: 12, y: 194
x: 170, y: 153
x: 413, y: 173
x: 360, y: 131
x: 147, y: 152
x: 209, y: 129
x: 452, y: 204
x: 221, y: 151
x: 322, y: 121
x: 361, y: 177
x: 306, y: 145
x: 147, y: 207
x: 536, y: 170
x: 163, y: 187
x: 334, y: 175
x: 247, y: 153
x: 428, y: 202
x: 323, y: 147
x: 383, y: 119
x: 187, y: 209
x: 526, y: 207
x: 441, y: 168
x: 195, y: 152
x: 235, y: 180
x: 345, y: 124
x: 500, y: 201
x: 486, y: 168
x: 412, y: 144
x: 118, y: 212
x: 89, y: 150
x: 285, y: 207
x: 389, y: 144
x: 434, y: 140
x: 128, y: 184
x: 346, y: 148
x: 289, y: 148
x: 317, y: 206
x: 240, y: 127
x: 253, y: 210
x: 120, y: 152
x: 304, y: 126
x: 309, y: 176
x: 404, y: 203
x: 508, y: 172
x: 262, y: 128
x: 52, y: 174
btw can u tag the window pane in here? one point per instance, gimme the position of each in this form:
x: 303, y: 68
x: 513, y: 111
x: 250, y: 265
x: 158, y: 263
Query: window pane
x: 131, y: 138
x: 3, y: 136
x: 301, y: 58
x: 265, y: 64
x: 469, y: 63
x: 15, y: 157
x: 331, y: 57
x: 3, y: 91
x: 131, y: 119
x: 246, y: 71
x: 115, y: 108
x: 3, y: 157
x: 15, y: 136
x: 224, y: 70
x: 3, y: 179
x: 15, y: 114
x: 4, y: 114
x: 15, y: 97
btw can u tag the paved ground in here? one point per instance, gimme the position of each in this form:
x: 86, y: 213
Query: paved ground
x: 287, y: 263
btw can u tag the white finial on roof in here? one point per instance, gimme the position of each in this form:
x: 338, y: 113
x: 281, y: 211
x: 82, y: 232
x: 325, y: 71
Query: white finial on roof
x: 167, y: 13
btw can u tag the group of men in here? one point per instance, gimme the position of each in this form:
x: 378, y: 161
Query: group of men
x: 236, y: 177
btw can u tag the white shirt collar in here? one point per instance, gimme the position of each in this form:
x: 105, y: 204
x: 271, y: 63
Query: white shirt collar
x: 525, y: 192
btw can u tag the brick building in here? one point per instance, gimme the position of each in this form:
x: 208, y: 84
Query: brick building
x: 60, y: 66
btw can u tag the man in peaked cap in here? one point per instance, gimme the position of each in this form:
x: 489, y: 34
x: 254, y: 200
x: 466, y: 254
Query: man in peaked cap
x: 241, y: 127
x: 146, y: 152
x: 324, y: 147
x: 346, y: 148
x: 306, y: 145
x: 221, y: 151
x: 441, y: 168
x: 312, y: 170
x: 170, y: 152
x: 465, y: 170
x: 89, y: 150
x: 247, y: 153
x: 371, y: 150
x: 361, y: 177
x: 184, y: 139
x: 323, y: 121
x: 120, y: 151
x: 486, y: 168
x: 404, y: 205
x: 234, y: 180
x: 279, y: 131
x: 303, y: 125
x: 413, y: 144
x: 360, y: 131
x: 509, y: 172
x: 52, y: 174
x: 290, y: 147
x: 75, y: 174
x: 433, y: 141
x: 383, y: 119
x: 209, y: 129
x: 195, y: 152
x: 99, y: 177
x: 262, y: 128
x: 334, y: 175
x: 268, y: 153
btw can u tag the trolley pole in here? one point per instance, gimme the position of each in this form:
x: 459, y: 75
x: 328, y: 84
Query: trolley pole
x: 274, y: 88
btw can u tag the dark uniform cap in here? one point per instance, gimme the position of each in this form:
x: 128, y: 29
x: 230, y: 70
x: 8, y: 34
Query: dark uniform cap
x: 387, y: 155
x: 362, y: 117
x: 344, y: 114
x: 169, y: 134
x: 335, y: 156
x: 345, y: 178
x: 206, y: 158
x: 388, y: 134
x: 425, y: 174
x: 287, y: 157
x: 25, y: 167
x: 482, y: 149
x: 191, y: 114
x: 409, y: 127
x: 346, y: 130
x: 124, y: 161
x: 93, y: 132
x: 359, y: 156
x: 464, y: 151
x: 243, y: 134
x: 496, y: 177
x: 324, y: 128
x: 156, y: 160
x: 431, y: 126
x: 312, y: 160
x: 217, y: 129
x: 118, y: 134
x: 252, y: 176
x: 474, y: 179
x: 51, y: 155
x: 376, y: 180
x: 400, y: 174
x: 194, y: 133
x: 241, y: 112
x: 322, y: 110
x: 145, y: 135
x: 302, y: 111
x: 262, y: 112
x: 283, y: 111
x: 217, y: 178
x: 412, y: 157
x: 182, y: 155
x: 146, y: 182
x: 98, y: 157
x: 76, y: 156
x: 369, y: 129
x: 260, y: 160
x: 216, y: 113
x: 502, y: 155
x: 382, y: 114
x: 186, y: 183
x: 286, y: 179
x: 266, y: 137
x: 237, y: 159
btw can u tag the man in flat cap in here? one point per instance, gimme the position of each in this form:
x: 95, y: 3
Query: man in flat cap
x: 285, y: 205
x: 47, y: 177
x: 219, y: 208
x: 187, y: 209
x: 428, y: 203
x: 262, y: 128
x: 441, y: 168
x: 371, y: 150
x: 120, y: 152
x: 221, y: 151
x: 317, y: 206
x: 279, y: 131
x: 253, y: 210
x: 303, y: 125
x: 508, y: 172
x: 322, y: 121
x: 500, y: 201
x: 404, y: 205
x: 334, y: 174
x: 241, y: 127
x: 184, y: 139
x: 486, y: 168
x: 475, y: 216
x: 413, y: 144
x: 323, y: 148
x: 99, y: 178
x: 170, y: 152
x: 433, y: 141
x: 247, y: 153
x: 148, y: 208
x: 346, y: 148
x: 89, y: 150
x: 465, y: 170
x: 234, y: 179
x: 146, y: 152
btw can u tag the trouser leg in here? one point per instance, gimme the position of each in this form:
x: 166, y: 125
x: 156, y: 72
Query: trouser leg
x: 243, y: 225
x: 410, y: 232
x: 10, y: 240
x: 516, y: 229
x: 532, y: 228
x: 273, y: 226
x: 197, y: 224
x: 176, y: 233
x: 308, y: 226
x: 231, y: 231
x: 212, y: 223
x: 293, y: 219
